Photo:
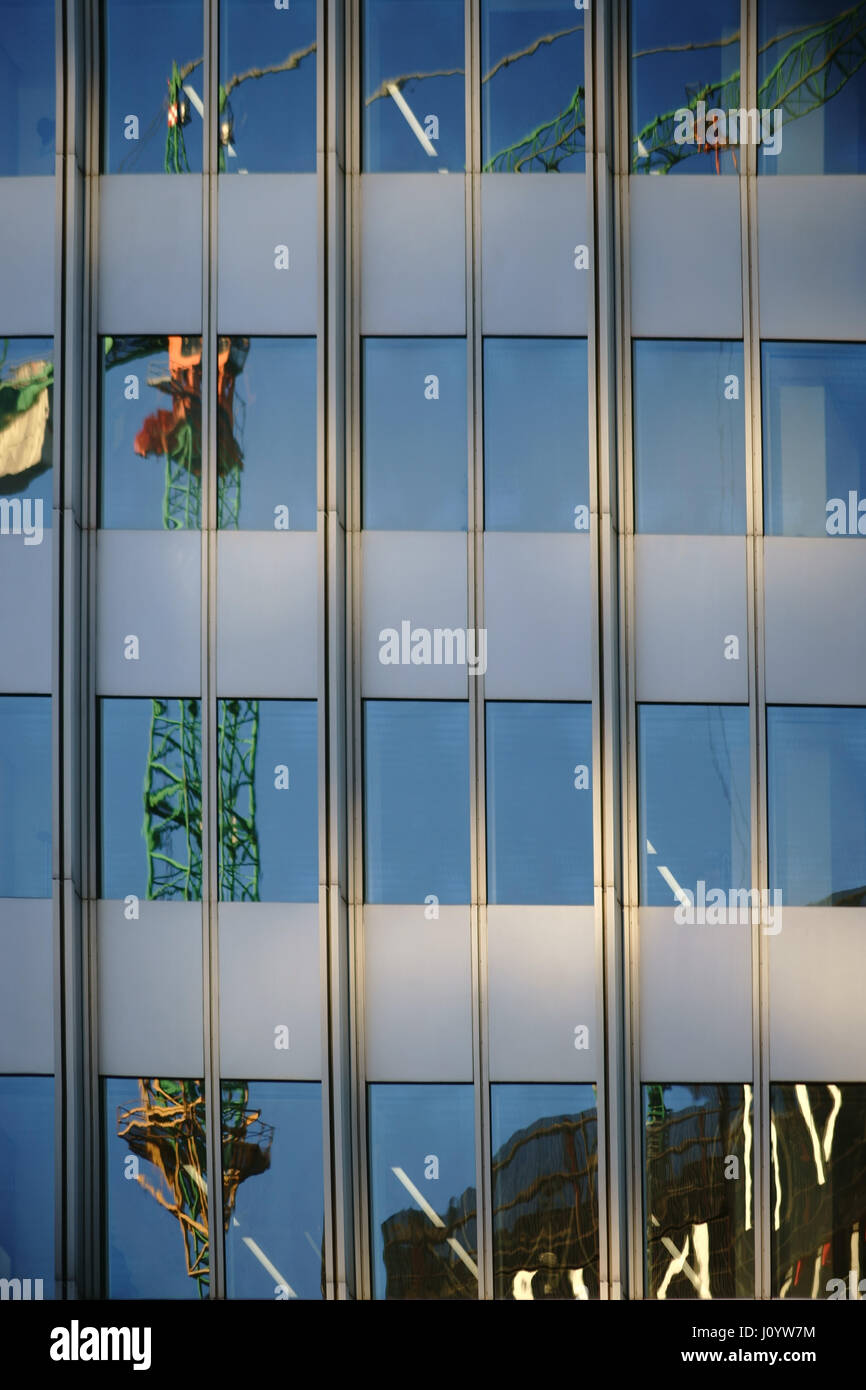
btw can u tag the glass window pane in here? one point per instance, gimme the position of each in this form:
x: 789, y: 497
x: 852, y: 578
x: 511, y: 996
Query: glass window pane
x: 539, y: 803
x: 693, y: 777
x: 273, y: 1194
x: 693, y: 1206
x: 26, y: 437
x: 810, y: 64
x: 150, y: 466
x: 27, y: 84
x: 416, y: 801
x: 152, y: 86
x: 27, y: 1182
x: 151, y: 812
x: 536, y: 461
x: 816, y: 772
x: 422, y: 1191
x: 415, y: 449
x: 267, y: 106
x: 545, y: 1191
x: 814, y: 414
x: 682, y: 54
x: 25, y: 796
x: 533, y: 100
x: 266, y: 434
x: 269, y: 823
x: 818, y: 1190
x: 689, y: 463
x: 155, y: 1176
x: 413, y: 86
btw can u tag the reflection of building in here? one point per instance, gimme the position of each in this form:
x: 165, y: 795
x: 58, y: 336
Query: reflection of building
x: 25, y: 414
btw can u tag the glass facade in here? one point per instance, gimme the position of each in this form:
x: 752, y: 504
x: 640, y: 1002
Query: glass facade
x: 267, y: 90
x: 27, y: 1183
x: 25, y: 796
x: 27, y: 81
x: 413, y: 85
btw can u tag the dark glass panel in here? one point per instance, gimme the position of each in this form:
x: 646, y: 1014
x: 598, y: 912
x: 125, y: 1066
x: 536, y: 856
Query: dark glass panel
x: 25, y: 796
x: 413, y: 86
x: 533, y: 101
x: 267, y: 105
x: 26, y: 437
x: 27, y: 82
x: 152, y: 86
x: 27, y: 1184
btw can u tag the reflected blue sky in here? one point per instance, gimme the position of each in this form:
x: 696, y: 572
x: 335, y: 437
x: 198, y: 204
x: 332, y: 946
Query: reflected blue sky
x: 27, y: 83
x: 534, y: 90
x: 273, y: 117
x: 418, y: 47
x: 25, y: 796
x: 27, y: 1179
x: 142, y: 40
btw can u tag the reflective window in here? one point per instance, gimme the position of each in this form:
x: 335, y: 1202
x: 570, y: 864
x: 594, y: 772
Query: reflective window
x: 811, y: 66
x: 689, y: 463
x: 268, y: 802
x: 539, y: 803
x: 152, y: 86
x: 814, y: 415
x: 25, y: 796
x: 273, y: 1193
x: 151, y: 810
x: 267, y: 95
x: 155, y: 1184
x: 415, y: 446
x: 150, y: 464
x: 27, y: 1182
x: 545, y: 1191
x: 533, y: 102
x: 685, y: 62
x: 26, y: 436
x: 693, y: 778
x: 422, y: 1191
x: 818, y: 1190
x: 27, y: 84
x: 416, y: 801
x: 413, y: 86
x: 816, y: 772
x: 536, y: 461
x: 698, y: 1192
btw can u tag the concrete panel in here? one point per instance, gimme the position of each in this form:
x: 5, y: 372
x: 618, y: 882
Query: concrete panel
x: 695, y: 999
x: 417, y: 577
x: 26, y: 985
x: 531, y: 229
x: 150, y: 990
x: 812, y: 256
x: 413, y: 254
x: 258, y: 214
x: 269, y: 979
x: 418, y: 984
x: 815, y: 640
x: 150, y: 253
x: 27, y: 256
x: 541, y: 986
x: 26, y: 573
x: 538, y: 615
x: 690, y: 597
x: 685, y: 257
x: 817, y: 1020
x: 268, y: 606
x: 149, y: 586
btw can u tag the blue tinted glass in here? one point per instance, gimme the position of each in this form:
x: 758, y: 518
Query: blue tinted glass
x: 266, y: 434
x: 689, y: 463
x: 27, y: 84
x: 269, y: 825
x: 533, y: 100
x: 692, y: 1206
x: 415, y: 451
x: 413, y: 86
x: 545, y: 1191
x: 151, y: 810
x: 683, y: 54
x: 27, y: 1181
x: 693, y: 771
x: 810, y: 65
x: 539, y: 803
x: 816, y: 774
x: 25, y: 796
x: 155, y: 1184
x: 273, y: 1194
x: 422, y: 1191
x: 150, y: 465
x: 536, y: 461
x: 814, y: 414
x: 416, y: 801
x: 26, y: 436
x: 267, y: 109
x: 152, y: 86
